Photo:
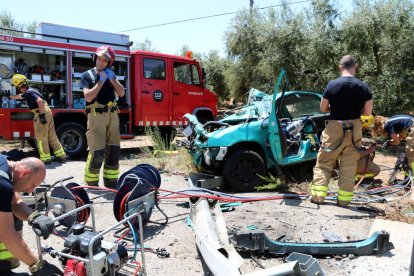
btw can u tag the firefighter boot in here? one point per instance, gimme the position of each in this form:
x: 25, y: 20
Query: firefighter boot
x: 318, y: 193
x: 111, y: 166
x: 93, y: 166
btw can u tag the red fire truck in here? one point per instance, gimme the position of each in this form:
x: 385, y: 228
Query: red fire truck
x: 160, y: 88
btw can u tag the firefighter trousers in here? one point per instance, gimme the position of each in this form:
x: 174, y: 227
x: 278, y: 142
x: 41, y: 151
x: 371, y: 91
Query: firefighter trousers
x: 340, y: 145
x: 367, y: 168
x: 104, y: 146
x: 46, y: 137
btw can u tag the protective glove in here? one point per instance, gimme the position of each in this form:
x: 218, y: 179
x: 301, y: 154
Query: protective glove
x: 42, y: 119
x: 103, y: 76
x: 110, y: 74
x: 42, y: 267
x: 42, y: 225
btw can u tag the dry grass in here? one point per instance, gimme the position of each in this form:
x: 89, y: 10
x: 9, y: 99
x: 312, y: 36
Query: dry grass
x: 6, y: 145
x: 163, y: 156
x: 401, y: 210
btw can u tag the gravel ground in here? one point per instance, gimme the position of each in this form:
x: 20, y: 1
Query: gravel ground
x: 293, y: 220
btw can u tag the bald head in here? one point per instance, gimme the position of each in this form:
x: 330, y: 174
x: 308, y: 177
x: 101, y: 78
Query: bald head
x: 28, y: 174
x: 35, y: 165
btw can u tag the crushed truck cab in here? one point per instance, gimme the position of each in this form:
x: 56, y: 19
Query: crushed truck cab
x: 271, y: 131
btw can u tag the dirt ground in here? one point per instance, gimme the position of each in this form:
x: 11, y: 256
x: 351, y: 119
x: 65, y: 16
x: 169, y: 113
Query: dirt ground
x: 290, y: 220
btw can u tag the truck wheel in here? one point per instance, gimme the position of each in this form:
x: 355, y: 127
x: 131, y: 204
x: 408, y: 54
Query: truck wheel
x: 72, y: 136
x: 241, y: 170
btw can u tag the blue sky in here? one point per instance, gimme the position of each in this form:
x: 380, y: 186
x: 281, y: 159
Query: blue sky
x: 115, y: 16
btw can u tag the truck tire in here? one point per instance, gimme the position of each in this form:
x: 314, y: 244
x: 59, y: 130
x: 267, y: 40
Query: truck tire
x: 241, y: 170
x: 72, y: 136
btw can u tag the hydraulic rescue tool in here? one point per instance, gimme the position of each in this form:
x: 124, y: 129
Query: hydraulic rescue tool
x: 85, y: 252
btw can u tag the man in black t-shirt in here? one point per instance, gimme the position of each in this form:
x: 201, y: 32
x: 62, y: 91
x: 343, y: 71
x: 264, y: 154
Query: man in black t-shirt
x: 397, y: 127
x: 43, y: 124
x: 16, y: 177
x: 100, y: 87
x: 346, y: 98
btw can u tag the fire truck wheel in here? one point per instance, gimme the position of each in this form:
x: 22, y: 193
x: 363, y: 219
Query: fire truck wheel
x: 73, y: 139
x: 241, y: 170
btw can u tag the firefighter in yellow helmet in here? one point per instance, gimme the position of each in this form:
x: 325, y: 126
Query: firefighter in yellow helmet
x: 44, y: 126
x: 346, y: 98
x: 100, y: 87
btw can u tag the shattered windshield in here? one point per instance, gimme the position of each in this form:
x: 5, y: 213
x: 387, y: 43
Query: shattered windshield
x: 300, y: 105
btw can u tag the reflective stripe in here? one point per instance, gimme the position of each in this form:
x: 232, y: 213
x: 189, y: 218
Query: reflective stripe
x: 88, y: 175
x: 112, y: 174
x: 367, y: 175
x: 319, y: 190
x: 43, y: 156
x: 345, y: 196
x: 4, y: 253
x: 91, y: 178
x: 59, y: 152
x: 407, y: 117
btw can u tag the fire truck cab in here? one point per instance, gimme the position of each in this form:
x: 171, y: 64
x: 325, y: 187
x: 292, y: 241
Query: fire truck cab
x: 160, y: 88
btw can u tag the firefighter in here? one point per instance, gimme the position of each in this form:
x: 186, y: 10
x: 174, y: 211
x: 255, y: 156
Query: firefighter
x: 16, y: 177
x: 366, y: 166
x: 397, y: 128
x: 346, y: 98
x: 43, y: 124
x: 100, y: 88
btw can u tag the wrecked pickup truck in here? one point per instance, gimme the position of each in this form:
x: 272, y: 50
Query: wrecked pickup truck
x: 278, y: 131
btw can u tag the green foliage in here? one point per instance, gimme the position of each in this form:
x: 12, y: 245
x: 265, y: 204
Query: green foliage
x: 145, y: 45
x: 216, y: 68
x: 158, y: 141
x: 310, y: 43
x: 269, y: 183
x: 7, y: 21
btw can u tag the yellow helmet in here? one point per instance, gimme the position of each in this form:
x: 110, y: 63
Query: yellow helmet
x: 19, y: 80
x: 367, y: 121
